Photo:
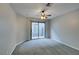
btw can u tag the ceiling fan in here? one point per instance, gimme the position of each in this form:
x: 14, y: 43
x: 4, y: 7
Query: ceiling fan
x: 43, y: 14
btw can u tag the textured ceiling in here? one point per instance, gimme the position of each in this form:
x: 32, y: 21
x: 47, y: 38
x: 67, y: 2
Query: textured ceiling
x: 33, y: 9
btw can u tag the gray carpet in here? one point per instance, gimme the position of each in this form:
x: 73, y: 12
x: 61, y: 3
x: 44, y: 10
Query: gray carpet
x: 44, y: 47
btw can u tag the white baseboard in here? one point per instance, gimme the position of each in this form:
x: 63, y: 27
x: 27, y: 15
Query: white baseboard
x: 13, y: 49
x: 67, y: 44
x: 17, y: 45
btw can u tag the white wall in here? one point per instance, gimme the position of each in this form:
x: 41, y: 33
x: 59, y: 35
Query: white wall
x: 14, y: 29
x: 65, y: 29
x: 7, y: 29
x: 23, y: 32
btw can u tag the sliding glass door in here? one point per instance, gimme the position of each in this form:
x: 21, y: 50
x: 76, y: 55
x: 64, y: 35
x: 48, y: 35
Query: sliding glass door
x: 41, y: 31
x: 34, y: 30
x: 38, y: 30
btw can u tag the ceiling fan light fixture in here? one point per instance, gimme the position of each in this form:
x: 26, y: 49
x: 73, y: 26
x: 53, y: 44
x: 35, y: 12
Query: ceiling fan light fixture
x: 43, y: 17
x: 42, y: 14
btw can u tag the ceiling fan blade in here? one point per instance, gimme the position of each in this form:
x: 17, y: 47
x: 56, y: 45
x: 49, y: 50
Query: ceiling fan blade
x: 49, y: 15
x: 48, y: 4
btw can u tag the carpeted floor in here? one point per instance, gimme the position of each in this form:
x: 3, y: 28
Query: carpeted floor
x: 44, y: 47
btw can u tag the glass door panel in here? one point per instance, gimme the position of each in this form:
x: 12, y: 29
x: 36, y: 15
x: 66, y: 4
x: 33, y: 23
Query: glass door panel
x: 41, y: 30
x: 34, y: 30
x: 38, y: 30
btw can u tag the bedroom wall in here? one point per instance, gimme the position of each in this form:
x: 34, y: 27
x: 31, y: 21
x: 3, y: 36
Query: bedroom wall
x: 65, y: 29
x: 23, y: 29
x: 14, y: 29
x: 7, y: 29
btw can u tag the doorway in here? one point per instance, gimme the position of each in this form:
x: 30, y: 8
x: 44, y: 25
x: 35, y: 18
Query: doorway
x: 38, y: 30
